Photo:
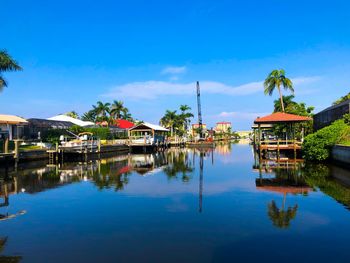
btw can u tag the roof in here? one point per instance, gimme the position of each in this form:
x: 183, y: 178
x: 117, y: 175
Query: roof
x: 124, y: 124
x: 347, y: 102
x: 150, y: 126
x: 280, y: 117
x: 11, y: 119
x: 50, y: 123
x: 78, y: 122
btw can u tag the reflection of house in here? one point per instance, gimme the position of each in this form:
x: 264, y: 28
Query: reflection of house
x: 12, y: 125
x: 223, y: 127
x: 331, y: 114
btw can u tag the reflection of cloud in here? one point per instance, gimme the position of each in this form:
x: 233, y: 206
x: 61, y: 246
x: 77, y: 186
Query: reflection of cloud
x: 153, y: 89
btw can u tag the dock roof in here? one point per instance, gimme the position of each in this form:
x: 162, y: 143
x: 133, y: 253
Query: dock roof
x: 11, y: 119
x: 281, y: 117
x: 149, y: 126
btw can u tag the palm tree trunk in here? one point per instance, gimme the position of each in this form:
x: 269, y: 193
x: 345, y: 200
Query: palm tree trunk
x: 281, y: 98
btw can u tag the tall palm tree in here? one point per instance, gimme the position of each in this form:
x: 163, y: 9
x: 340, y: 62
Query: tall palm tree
x: 169, y: 120
x: 117, y: 108
x: 126, y: 115
x: 185, y: 116
x: 6, y: 64
x: 287, y: 101
x: 276, y: 79
x: 101, y: 109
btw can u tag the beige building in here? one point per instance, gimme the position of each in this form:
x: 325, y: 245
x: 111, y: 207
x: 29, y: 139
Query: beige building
x: 223, y: 127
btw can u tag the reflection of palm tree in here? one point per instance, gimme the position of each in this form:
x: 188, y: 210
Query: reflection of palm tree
x: 9, y: 259
x: 281, y: 218
x: 178, y: 164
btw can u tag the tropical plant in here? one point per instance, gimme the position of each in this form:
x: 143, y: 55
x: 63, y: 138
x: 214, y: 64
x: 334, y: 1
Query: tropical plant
x: 6, y: 64
x: 89, y: 116
x: 116, y: 109
x: 275, y: 80
x: 72, y: 114
x: 169, y: 120
x: 317, y: 146
x: 280, y: 217
x: 342, y: 99
x: 185, y: 116
x: 102, y: 110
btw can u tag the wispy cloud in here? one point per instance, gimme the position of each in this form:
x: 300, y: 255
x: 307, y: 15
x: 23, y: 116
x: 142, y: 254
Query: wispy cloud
x: 153, y: 89
x: 174, y: 70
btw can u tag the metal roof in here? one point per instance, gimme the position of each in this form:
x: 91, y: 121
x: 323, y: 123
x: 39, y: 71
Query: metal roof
x: 11, y: 119
x: 150, y: 126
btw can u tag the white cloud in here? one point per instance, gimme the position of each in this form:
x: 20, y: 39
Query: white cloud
x: 153, y: 89
x: 174, y: 70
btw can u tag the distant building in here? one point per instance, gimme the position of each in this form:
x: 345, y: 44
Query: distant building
x: 195, y: 127
x: 331, y: 114
x: 223, y: 127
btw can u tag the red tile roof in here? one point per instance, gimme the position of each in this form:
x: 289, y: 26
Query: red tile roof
x: 281, y: 117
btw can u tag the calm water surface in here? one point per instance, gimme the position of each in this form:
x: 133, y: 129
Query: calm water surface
x: 183, y: 205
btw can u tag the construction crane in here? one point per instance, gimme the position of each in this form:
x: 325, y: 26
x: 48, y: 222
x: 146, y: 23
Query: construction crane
x: 200, y: 123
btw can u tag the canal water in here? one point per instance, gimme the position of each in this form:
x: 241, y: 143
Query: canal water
x: 181, y: 205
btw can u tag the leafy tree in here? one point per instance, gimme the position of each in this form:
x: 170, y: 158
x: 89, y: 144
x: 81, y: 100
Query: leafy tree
x: 6, y: 64
x: 342, y: 99
x: 170, y: 120
x: 102, y: 110
x: 275, y: 80
x: 72, y: 114
x: 117, y: 109
x: 89, y: 116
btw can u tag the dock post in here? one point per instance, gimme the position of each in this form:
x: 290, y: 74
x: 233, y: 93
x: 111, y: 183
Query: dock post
x: 16, y: 149
x: 6, y: 145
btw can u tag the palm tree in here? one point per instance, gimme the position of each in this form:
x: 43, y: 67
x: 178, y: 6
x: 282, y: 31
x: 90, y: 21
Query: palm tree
x: 101, y: 109
x: 287, y: 101
x: 117, y: 109
x: 72, y: 114
x: 6, y: 64
x: 280, y: 217
x: 276, y: 79
x: 185, y: 116
x: 126, y: 115
x: 169, y: 120
x: 89, y: 116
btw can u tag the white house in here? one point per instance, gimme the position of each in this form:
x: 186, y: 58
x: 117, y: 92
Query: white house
x: 12, y: 125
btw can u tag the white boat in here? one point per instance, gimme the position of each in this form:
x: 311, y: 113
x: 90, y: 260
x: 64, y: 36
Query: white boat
x: 83, y: 142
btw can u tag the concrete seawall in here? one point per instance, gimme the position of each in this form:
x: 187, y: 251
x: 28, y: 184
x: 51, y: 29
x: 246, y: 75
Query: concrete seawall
x: 341, y: 154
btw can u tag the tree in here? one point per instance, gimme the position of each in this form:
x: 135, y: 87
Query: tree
x: 276, y: 79
x: 72, y: 114
x: 89, y: 116
x: 169, y: 120
x: 102, y: 110
x: 342, y: 99
x: 185, y: 116
x: 117, y: 109
x: 126, y: 115
x: 6, y: 64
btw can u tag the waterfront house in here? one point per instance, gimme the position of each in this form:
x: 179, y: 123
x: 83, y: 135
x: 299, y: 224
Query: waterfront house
x: 147, y: 134
x: 12, y: 126
x: 66, y: 118
x: 331, y: 114
x: 36, y: 128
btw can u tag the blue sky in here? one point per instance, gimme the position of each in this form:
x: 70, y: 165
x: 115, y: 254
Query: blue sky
x: 150, y: 53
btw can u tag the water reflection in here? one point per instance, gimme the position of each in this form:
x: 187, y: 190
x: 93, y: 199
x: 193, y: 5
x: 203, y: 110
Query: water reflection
x: 297, y: 178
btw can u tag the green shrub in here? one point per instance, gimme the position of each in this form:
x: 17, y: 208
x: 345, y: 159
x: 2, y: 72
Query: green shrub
x: 102, y: 133
x: 317, y: 146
